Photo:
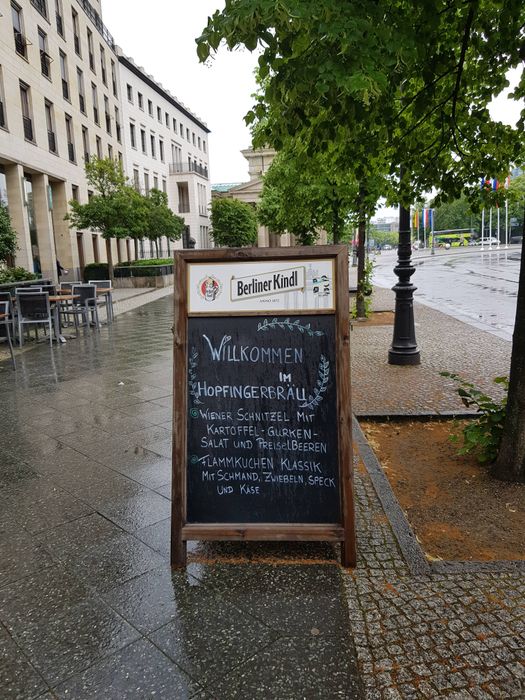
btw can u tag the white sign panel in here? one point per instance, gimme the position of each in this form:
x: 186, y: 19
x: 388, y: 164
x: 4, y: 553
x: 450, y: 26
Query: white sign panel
x: 264, y: 285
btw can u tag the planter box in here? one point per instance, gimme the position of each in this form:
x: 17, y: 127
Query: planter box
x: 11, y: 286
x: 153, y: 281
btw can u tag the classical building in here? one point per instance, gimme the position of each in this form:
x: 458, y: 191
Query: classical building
x: 166, y: 147
x: 250, y: 192
x: 60, y: 103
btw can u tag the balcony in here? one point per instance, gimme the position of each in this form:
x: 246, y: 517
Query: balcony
x: 95, y: 18
x: 20, y: 43
x: 51, y: 139
x: 71, y: 151
x: 28, y: 128
x: 65, y: 89
x: 180, y: 168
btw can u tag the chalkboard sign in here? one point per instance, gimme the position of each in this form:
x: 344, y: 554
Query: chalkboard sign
x: 262, y: 442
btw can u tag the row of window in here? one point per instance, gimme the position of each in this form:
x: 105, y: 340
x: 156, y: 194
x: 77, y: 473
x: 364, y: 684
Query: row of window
x: 21, y: 43
x: 155, y: 181
x: 190, y: 137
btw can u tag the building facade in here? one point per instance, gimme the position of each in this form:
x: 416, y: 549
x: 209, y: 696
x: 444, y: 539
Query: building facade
x: 61, y: 103
x: 166, y: 147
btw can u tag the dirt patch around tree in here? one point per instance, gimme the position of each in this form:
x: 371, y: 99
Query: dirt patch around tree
x: 377, y: 318
x: 456, y: 509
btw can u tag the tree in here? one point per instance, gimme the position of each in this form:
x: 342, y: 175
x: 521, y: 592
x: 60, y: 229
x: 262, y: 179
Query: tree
x: 456, y: 214
x: 420, y: 75
x: 159, y: 220
x: 233, y: 223
x: 115, y: 208
x: 8, y: 244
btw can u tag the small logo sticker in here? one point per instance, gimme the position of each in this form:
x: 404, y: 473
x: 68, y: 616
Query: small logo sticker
x: 209, y: 288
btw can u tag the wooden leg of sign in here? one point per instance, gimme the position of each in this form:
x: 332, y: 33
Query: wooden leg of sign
x: 178, y: 550
x: 348, y: 554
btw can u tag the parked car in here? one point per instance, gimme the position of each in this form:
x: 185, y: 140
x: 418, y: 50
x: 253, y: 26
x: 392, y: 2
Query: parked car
x: 487, y: 240
x: 518, y: 238
x: 387, y: 246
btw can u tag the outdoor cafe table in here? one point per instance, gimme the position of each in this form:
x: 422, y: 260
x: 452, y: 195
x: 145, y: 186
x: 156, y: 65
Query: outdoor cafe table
x: 56, y: 300
x: 101, y: 291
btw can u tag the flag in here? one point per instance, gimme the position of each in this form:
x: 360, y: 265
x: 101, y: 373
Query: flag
x: 494, y: 184
x: 425, y: 218
x: 415, y: 219
x: 507, y: 182
x: 431, y: 218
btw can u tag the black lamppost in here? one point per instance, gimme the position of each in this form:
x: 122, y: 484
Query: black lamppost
x: 404, y: 350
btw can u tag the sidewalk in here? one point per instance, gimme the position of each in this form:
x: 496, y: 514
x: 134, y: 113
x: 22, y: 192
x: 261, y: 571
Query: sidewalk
x: 88, y: 604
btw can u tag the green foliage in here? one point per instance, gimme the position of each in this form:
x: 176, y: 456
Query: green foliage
x: 158, y: 218
x: 151, y: 261
x: 8, y: 244
x: 16, y: 274
x: 364, y: 292
x: 382, y: 237
x: 234, y: 223
x: 367, y: 303
x: 482, y: 436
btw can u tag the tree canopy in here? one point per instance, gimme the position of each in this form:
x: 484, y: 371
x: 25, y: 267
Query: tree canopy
x: 233, y: 223
x: 158, y: 219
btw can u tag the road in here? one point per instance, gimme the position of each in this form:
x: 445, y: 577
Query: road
x: 478, y: 287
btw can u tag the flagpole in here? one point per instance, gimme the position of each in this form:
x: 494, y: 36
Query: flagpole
x: 482, y: 227
x: 424, y: 229
x: 431, y: 215
x: 490, y: 228
x: 498, y: 229
x: 506, y: 224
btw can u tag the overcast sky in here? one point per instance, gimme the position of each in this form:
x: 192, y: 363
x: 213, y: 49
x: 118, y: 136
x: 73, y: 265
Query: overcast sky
x: 160, y: 36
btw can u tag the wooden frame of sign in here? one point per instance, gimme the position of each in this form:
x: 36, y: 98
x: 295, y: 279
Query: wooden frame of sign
x: 198, y: 289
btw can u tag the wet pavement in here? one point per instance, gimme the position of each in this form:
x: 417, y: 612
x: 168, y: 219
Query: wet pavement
x: 89, y: 607
x: 473, y: 285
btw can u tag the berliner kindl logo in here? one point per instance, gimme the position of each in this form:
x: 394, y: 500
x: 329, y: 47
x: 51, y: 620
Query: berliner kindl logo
x: 209, y: 288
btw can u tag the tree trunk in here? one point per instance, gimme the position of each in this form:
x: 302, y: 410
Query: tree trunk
x: 336, y: 220
x: 361, y: 235
x: 136, y: 245
x: 109, y: 258
x: 157, y: 247
x: 510, y: 462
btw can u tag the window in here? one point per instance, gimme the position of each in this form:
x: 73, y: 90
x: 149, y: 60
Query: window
x: 69, y: 137
x: 175, y: 125
x: 85, y: 143
x: 94, y: 98
x: 45, y: 58
x: 159, y: 114
x: 204, y: 146
x: 129, y: 91
x: 161, y: 150
x: 120, y: 157
x: 132, y: 135
x: 143, y: 141
x: 63, y: 75
x: 103, y: 65
x: 74, y: 193
x: 150, y: 108
x: 181, y: 129
x: 98, y: 142
x: 187, y: 135
x: 76, y: 36
x: 81, y: 92
x: 3, y: 115
x: 41, y: 6
x: 164, y: 186
x: 136, y: 181
x: 146, y: 183
x: 59, y: 18
x: 20, y: 40
x: 94, y: 238
x: 152, y: 144
x: 26, y: 112
x: 117, y: 124
x: 90, y: 50
x: 140, y: 99
x: 50, y: 123
x: 110, y: 151
x: 199, y: 143
x: 114, y: 78
x: 193, y: 137
x: 156, y: 182
x: 167, y: 119
x: 107, y: 115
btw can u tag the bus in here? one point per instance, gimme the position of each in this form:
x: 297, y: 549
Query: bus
x: 441, y: 238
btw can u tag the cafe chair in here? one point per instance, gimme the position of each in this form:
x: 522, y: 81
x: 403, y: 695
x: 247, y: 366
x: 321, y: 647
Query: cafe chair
x: 105, y: 299
x: 33, y: 310
x: 84, y: 306
x: 6, y: 323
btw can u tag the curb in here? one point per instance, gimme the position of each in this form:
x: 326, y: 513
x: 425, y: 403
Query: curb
x: 412, y: 551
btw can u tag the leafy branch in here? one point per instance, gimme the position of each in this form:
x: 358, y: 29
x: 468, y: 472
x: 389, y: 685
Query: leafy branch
x: 290, y: 325
x: 315, y: 398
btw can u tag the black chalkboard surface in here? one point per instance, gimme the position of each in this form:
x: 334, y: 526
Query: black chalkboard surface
x: 262, y: 434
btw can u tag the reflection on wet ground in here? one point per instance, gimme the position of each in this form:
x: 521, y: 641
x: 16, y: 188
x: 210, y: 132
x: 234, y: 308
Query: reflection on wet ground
x: 478, y: 287
x: 89, y: 607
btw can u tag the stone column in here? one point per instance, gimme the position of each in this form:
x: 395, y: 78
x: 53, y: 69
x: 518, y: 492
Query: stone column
x: 44, y: 228
x: 65, y: 238
x: 14, y: 175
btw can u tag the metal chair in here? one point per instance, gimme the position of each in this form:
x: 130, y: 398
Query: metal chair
x: 33, y: 310
x: 85, y: 305
x: 5, y: 326
x: 106, y: 299
x: 6, y: 296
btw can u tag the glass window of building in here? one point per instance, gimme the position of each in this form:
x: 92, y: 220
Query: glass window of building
x: 50, y: 124
x: 18, y: 30
x: 27, y: 119
x: 59, y: 16
x: 76, y: 33
x: 70, y: 138
x: 132, y: 136
x: 45, y: 58
x: 64, y: 75
x: 91, y: 50
x: 81, y: 92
